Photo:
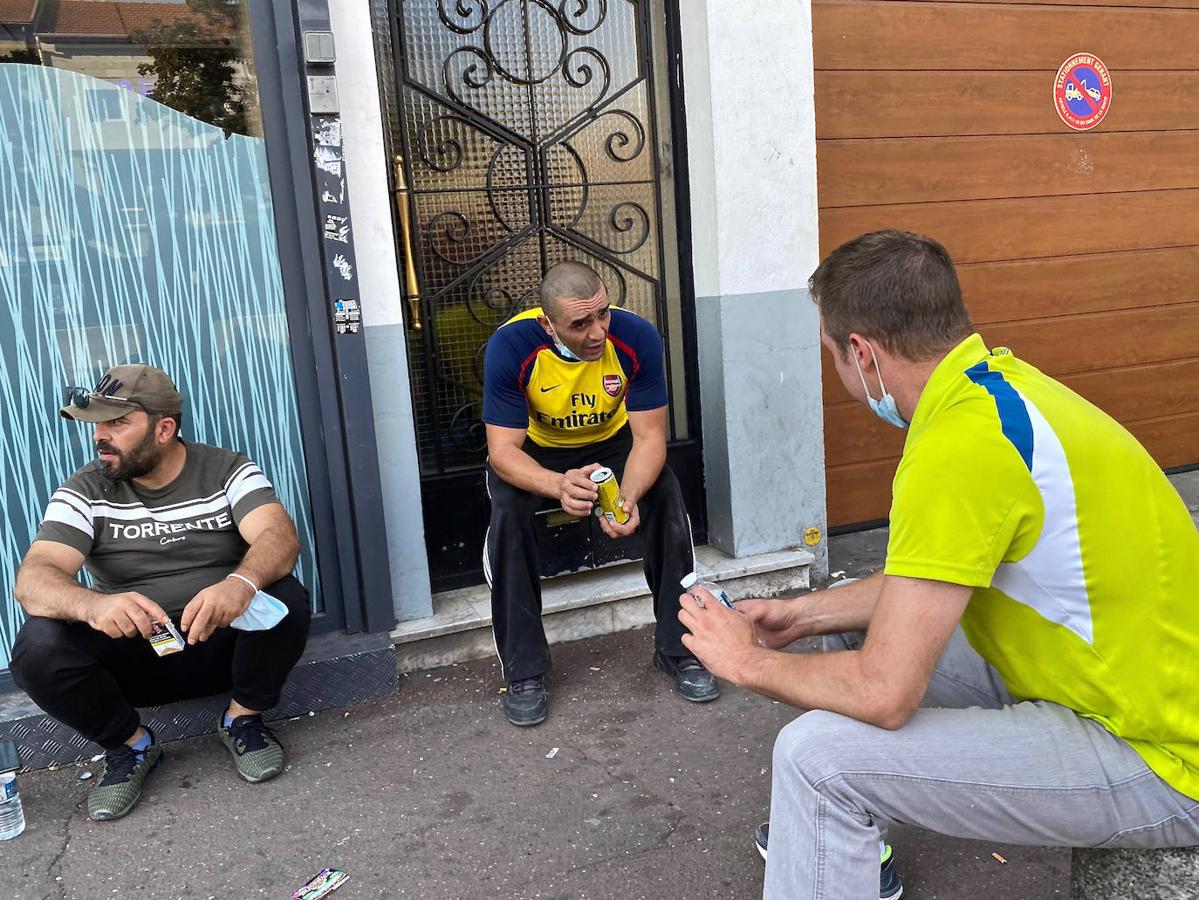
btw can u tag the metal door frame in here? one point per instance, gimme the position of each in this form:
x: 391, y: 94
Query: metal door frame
x: 331, y: 377
x: 685, y: 456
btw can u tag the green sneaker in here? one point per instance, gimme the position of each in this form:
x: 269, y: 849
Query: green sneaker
x: 125, y: 771
x: 256, y: 751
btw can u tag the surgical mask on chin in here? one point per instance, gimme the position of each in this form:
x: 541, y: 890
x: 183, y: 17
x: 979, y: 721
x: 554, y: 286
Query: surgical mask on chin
x: 566, y: 352
x: 885, y: 407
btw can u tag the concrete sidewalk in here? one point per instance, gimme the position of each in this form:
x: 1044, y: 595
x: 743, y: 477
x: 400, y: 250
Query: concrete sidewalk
x: 431, y: 794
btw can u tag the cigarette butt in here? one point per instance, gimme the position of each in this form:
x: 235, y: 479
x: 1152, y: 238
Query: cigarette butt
x: 503, y: 690
x: 999, y: 858
x: 595, y: 668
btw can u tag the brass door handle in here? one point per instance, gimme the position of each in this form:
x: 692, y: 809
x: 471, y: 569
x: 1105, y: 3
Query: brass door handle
x: 411, y: 285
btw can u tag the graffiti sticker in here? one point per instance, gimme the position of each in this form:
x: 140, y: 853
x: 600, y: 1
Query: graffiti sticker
x: 337, y: 228
x: 326, y: 132
x: 344, y: 267
x: 328, y: 159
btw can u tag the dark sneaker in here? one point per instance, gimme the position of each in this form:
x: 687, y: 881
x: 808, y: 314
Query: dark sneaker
x: 890, y: 885
x: 691, y: 679
x: 125, y: 771
x: 525, y: 702
x: 256, y: 751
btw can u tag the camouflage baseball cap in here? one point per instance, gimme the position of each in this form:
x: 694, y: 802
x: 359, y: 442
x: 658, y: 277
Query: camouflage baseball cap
x: 122, y: 388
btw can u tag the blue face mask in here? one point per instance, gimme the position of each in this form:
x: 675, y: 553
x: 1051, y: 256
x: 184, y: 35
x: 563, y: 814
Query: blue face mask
x: 566, y: 352
x: 885, y: 407
x: 263, y: 613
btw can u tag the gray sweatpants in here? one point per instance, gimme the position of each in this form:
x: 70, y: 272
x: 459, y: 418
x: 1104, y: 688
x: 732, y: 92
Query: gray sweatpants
x: 984, y: 768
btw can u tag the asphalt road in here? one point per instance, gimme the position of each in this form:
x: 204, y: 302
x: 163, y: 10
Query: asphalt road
x: 431, y: 794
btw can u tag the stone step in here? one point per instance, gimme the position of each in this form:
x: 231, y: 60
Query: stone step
x: 584, y: 604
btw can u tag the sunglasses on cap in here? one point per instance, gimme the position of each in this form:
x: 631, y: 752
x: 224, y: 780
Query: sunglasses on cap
x: 81, y: 397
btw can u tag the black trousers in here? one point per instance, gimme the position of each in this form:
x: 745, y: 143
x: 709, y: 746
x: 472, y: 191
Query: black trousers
x: 513, y: 567
x: 91, y: 682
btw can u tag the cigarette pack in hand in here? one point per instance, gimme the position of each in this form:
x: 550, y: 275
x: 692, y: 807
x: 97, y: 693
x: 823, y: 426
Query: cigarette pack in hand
x: 165, y: 639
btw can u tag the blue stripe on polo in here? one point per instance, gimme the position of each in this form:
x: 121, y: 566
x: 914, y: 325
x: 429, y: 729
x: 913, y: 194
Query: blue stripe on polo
x: 1013, y: 416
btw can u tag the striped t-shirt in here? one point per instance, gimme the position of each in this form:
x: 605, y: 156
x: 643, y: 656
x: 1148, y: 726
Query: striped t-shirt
x: 169, y: 543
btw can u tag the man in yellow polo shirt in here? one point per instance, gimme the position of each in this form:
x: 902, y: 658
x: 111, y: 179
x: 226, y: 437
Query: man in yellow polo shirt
x: 1041, y: 586
x: 568, y: 387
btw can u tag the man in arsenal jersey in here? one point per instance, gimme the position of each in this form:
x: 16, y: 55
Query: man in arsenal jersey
x: 569, y: 387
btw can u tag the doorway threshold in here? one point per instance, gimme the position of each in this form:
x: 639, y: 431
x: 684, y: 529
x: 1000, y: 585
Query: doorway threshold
x: 584, y: 604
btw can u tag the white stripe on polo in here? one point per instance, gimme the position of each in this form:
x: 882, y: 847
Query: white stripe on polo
x: 161, y: 509
x: 178, y: 513
x: 1050, y: 577
x: 239, y: 471
x: 62, y: 512
x: 251, y: 480
x: 83, y: 498
x: 73, y: 500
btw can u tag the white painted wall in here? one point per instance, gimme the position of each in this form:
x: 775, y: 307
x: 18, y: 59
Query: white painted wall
x: 751, y: 152
x: 751, y: 143
x: 368, y: 183
x: 367, y: 172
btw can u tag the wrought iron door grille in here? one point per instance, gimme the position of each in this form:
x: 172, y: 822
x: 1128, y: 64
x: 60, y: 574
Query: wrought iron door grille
x: 527, y: 135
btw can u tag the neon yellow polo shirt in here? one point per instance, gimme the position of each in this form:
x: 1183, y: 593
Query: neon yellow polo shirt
x: 1083, y: 558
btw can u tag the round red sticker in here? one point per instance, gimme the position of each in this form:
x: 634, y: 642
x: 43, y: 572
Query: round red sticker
x: 1082, y: 91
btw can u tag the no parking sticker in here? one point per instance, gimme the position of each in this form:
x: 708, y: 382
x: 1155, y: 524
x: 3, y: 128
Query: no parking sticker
x: 1082, y: 91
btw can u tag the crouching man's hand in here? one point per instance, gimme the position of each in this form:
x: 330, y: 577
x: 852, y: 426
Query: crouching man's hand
x: 125, y: 615
x: 215, y: 607
x: 722, y: 639
x: 779, y: 622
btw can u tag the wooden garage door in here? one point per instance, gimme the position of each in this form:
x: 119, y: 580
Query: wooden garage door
x: 1079, y: 250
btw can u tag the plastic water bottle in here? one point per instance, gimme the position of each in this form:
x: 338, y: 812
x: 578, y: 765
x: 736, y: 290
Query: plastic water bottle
x: 691, y: 581
x: 12, y: 817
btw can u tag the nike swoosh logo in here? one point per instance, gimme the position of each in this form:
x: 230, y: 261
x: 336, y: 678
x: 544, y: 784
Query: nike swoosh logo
x: 543, y: 390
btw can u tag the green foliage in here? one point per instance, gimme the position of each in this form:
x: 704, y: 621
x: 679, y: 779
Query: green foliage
x: 194, y: 63
x: 28, y: 55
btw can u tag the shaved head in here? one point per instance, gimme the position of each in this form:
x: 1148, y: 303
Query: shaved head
x: 568, y: 281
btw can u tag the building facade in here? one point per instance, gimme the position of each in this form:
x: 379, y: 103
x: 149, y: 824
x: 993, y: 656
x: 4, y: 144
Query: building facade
x: 314, y: 214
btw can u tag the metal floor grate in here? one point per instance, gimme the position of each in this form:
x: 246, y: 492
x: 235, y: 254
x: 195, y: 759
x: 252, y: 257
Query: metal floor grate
x: 337, y: 670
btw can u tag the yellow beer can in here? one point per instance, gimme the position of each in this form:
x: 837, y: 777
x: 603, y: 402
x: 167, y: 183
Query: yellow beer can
x: 611, y: 504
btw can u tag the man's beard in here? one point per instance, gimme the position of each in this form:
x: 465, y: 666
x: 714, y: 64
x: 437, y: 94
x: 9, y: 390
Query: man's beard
x: 139, y: 461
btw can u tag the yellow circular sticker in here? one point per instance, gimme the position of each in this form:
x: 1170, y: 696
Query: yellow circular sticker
x: 811, y: 537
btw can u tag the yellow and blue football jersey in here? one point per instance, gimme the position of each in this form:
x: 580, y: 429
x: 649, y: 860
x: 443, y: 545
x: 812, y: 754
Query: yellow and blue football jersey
x: 571, y: 403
